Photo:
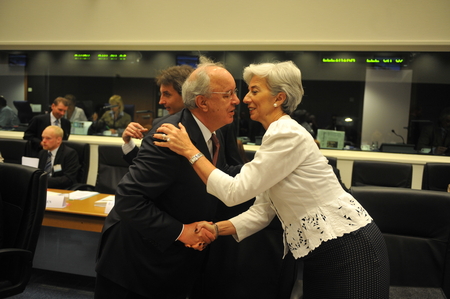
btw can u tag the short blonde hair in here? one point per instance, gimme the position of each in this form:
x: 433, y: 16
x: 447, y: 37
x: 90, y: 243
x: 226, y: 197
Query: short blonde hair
x: 57, y: 131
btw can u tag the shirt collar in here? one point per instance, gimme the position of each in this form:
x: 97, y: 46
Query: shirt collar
x: 205, y: 131
x: 52, y: 119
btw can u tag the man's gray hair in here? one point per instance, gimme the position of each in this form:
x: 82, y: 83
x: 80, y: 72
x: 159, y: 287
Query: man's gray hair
x: 198, y: 83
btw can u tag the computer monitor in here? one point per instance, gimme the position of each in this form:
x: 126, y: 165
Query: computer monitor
x: 80, y: 127
x: 331, y: 139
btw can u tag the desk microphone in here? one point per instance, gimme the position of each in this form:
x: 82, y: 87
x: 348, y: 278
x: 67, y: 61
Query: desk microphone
x: 398, y: 136
x: 109, y: 107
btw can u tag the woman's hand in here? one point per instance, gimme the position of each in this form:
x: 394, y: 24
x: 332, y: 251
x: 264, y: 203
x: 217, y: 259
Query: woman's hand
x: 175, y: 139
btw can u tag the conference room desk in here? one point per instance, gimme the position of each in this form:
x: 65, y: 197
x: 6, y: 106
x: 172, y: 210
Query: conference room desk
x: 78, y: 214
x: 69, y: 236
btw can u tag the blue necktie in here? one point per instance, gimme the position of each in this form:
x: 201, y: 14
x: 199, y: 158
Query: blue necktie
x: 57, y: 122
x: 48, y: 165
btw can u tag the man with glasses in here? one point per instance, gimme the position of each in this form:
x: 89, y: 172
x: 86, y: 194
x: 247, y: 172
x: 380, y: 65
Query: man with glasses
x: 145, y: 246
x: 170, y: 82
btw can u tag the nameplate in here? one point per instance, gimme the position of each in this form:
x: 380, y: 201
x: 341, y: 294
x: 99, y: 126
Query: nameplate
x: 109, y: 206
x: 56, y: 201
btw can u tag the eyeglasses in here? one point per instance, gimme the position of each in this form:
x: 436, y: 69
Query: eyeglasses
x: 227, y: 94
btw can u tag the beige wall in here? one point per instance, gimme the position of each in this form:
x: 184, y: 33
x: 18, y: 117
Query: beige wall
x: 415, y: 25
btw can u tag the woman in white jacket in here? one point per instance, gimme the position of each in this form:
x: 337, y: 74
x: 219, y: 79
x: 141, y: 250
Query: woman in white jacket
x: 343, y: 251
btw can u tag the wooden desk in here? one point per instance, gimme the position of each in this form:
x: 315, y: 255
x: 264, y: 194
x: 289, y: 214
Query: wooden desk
x: 79, y: 214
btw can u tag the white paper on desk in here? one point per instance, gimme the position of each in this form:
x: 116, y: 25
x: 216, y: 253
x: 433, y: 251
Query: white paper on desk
x: 109, y: 206
x: 55, y: 201
x: 79, y: 195
x: 102, y: 202
x: 28, y: 161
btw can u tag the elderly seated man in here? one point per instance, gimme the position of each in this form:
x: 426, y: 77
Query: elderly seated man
x: 59, y: 160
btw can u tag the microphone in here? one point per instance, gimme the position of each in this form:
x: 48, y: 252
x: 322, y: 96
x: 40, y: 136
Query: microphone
x: 109, y: 107
x: 398, y: 136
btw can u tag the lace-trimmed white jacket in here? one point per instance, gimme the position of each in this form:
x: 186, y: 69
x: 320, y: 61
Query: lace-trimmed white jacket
x: 291, y: 179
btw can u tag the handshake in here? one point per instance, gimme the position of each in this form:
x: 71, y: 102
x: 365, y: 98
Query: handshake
x: 198, y: 235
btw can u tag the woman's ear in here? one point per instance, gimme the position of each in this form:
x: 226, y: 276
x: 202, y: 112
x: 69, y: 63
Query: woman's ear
x: 200, y: 102
x: 280, y: 98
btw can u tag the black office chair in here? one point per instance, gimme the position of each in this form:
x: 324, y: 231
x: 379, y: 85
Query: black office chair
x: 129, y: 108
x: 23, y: 194
x: 83, y: 151
x: 332, y: 161
x: 111, y: 168
x: 416, y: 227
x: 436, y: 176
x: 24, y: 111
x: 12, y: 150
x: 378, y: 173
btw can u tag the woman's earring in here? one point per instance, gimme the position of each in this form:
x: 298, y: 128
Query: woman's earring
x: 275, y: 105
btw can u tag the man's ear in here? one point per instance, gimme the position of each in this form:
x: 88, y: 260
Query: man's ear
x: 200, y: 101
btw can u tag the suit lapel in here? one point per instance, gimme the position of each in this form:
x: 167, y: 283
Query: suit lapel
x: 195, y: 134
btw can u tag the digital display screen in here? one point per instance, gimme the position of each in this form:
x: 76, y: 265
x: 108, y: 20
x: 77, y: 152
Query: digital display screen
x: 17, y: 59
x: 188, y: 59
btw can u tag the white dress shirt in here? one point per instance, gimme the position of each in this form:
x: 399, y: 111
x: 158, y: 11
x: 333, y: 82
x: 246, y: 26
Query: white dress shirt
x: 291, y: 179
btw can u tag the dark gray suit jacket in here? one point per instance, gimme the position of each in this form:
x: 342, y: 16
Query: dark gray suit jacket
x: 68, y: 159
x: 160, y: 192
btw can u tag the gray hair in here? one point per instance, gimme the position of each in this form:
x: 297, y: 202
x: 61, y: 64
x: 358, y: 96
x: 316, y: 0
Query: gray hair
x: 198, y: 83
x: 280, y: 77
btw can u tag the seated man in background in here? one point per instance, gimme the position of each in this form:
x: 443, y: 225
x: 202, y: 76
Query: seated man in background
x: 59, y: 160
x: 38, y: 124
x: 8, y: 118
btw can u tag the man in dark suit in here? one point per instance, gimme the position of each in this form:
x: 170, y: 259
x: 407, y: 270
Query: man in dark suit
x: 40, y: 122
x: 144, y: 250
x: 59, y: 160
x: 169, y: 81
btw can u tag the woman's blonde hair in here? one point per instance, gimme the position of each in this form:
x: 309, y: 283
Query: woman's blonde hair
x: 116, y: 100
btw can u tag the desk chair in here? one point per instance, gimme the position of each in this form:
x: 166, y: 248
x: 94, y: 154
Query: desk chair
x: 24, y: 111
x: 83, y: 151
x: 12, y: 150
x: 129, y: 108
x: 416, y: 227
x: 436, y: 176
x: 23, y: 195
x: 111, y: 168
x: 378, y: 173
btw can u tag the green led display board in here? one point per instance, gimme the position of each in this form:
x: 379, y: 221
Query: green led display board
x: 100, y: 57
x: 82, y: 56
x: 339, y: 60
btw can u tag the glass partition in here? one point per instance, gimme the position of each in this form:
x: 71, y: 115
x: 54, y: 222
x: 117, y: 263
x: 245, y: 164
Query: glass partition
x: 379, y: 100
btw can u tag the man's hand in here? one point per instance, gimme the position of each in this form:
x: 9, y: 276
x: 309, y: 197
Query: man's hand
x: 133, y: 130
x: 195, y: 238
x: 440, y: 150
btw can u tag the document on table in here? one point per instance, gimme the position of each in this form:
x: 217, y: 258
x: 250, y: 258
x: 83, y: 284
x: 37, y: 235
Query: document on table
x: 80, y: 195
x: 107, y: 202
